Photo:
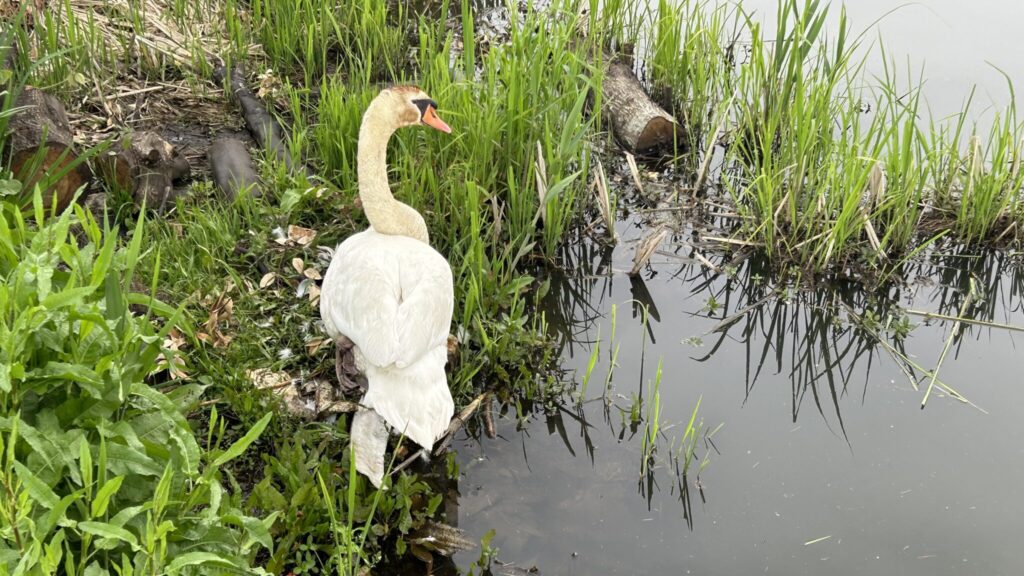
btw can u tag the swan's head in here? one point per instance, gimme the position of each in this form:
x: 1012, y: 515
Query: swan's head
x: 411, y: 106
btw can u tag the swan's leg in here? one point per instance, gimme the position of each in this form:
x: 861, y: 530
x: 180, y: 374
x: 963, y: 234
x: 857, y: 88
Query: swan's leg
x: 345, y: 367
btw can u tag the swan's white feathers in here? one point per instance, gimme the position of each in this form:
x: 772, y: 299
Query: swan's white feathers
x: 392, y: 296
x: 369, y: 437
x: 414, y: 400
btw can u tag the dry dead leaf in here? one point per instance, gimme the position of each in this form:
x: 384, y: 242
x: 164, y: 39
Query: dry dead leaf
x: 174, y: 340
x: 298, y: 264
x: 264, y: 378
x: 314, y: 294
x: 220, y: 312
x: 314, y: 346
x: 312, y: 274
x: 267, y: 279
x: 301, y: 236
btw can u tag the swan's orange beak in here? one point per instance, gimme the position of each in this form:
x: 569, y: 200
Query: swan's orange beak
x: 430, y: 118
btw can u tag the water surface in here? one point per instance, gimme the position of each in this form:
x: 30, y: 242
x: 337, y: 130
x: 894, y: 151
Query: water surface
x: 825, y: 462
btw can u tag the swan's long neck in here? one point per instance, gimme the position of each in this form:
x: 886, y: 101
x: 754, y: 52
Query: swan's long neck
x: 386, y: 215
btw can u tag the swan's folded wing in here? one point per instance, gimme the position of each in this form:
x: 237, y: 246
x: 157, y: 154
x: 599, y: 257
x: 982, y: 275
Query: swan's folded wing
x: 361, y: 301
x: 425, y: 311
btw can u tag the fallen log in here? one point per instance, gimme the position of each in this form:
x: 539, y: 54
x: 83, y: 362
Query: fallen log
x: 263, y: 127
x: 638, y: 123
x: 41, y: 148
x: 232, y: 168
x: 146, y: 166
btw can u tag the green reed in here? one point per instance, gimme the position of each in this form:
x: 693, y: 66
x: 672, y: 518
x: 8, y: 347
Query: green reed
x: 827, y: 167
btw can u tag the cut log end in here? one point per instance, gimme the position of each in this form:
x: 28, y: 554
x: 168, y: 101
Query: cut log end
x: 638, y: 123
x: 659, y: 131
x: 41, y: 147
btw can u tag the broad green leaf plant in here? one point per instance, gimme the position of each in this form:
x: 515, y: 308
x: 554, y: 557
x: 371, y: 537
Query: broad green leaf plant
x: 100, y: 471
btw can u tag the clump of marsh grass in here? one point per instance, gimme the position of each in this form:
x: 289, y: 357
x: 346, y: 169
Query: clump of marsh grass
x: 824, y: 171
x: 364, y: 37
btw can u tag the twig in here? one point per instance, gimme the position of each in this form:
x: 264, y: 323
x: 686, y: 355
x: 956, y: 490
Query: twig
x: 1007, y: 231
x: 731, y: 241
x: 646, y: 249
x: 707, y: 263
x: 936, y: 315
x: 710, y: 152
x: 488, y: 416
x: 408, y: 461
x: 635, y: 172
x: 729, y: 321
x: 457, y: 423
x: 604, y: 201
x: 135, y: 92
x: 949, y: 342
x: 542, y: 185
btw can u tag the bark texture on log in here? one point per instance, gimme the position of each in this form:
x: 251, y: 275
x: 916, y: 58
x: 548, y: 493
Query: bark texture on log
x: 636, y: 120
x: 147, y: 166
x: 232, y: 168
x: 41, y: 147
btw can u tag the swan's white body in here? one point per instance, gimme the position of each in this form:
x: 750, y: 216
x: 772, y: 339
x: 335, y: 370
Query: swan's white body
x: 392, y: 297
x: 391, y: 294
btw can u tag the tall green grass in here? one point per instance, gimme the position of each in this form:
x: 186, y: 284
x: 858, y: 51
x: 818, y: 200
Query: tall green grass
x: 82, y: 51
x: 316, y: 36
x: 503, y: 191
x: 690, y: 65
x: 826, y: 167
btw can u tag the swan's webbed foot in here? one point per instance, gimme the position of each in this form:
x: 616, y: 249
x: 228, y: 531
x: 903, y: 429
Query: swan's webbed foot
x: 350, y: 381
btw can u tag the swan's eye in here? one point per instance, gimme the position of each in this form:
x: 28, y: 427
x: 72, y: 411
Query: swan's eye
x: 423, y: 104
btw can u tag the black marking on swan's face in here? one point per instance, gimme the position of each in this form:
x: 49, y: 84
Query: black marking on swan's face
x: 423, y: 104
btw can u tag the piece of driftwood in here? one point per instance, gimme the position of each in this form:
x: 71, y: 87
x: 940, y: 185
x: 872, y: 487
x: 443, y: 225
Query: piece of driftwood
x: 232, y: 168
x: 638, y: 123
x: 145, y: 165
x: 441, y: 538
x: 263, y: 127
x: 41, y: 148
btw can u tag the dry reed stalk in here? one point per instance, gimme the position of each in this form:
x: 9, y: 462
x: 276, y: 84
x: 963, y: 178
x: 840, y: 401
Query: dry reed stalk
x: 604, y: 204
x: 542, y: 185
x: 634, y: 172
x: 646, y: 249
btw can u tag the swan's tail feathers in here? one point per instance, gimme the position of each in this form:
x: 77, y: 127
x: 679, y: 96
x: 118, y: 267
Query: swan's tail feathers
x: 414, y: 400
x: 369, y: 438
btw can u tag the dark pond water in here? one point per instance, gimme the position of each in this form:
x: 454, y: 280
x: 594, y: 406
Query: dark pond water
x: 825, y: 462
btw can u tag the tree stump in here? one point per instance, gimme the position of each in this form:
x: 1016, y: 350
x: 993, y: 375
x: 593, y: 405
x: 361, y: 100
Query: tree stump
x: 146, y: 166
x: 639, y: 123
x: 41, y: 148
x: 232, y: 168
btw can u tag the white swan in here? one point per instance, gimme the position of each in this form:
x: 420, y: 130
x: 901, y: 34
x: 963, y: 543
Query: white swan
x: 391, y: 295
